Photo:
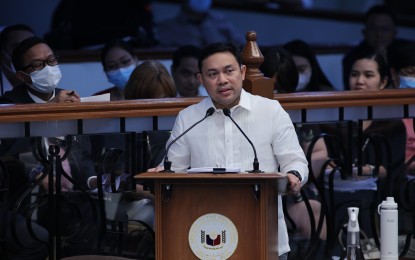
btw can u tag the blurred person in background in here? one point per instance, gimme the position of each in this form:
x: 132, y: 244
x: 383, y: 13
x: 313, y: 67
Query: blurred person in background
x: 78, y: 24
x: 379, y: 36
x: 402, y: 63
x: 197, y: 25
x: 311, y: 76
x: 150, y: 79
x: 280, y: 66
x: 10, y: 36
x: 118, y: 61
x: 184, y: 71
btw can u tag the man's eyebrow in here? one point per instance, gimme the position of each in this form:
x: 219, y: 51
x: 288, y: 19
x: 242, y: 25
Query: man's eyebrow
x: 210, y: 70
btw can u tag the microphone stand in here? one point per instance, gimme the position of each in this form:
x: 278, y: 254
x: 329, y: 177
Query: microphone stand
x: 167, y: 163
x: 256, y: 169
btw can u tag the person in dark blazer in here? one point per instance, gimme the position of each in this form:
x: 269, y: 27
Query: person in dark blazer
x: 37, y: 68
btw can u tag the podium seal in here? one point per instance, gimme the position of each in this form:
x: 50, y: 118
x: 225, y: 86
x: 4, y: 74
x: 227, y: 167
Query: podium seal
x: 213, y: 237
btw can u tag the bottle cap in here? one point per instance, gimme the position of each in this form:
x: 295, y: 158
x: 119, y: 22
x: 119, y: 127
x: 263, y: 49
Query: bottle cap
x: 389, y: 203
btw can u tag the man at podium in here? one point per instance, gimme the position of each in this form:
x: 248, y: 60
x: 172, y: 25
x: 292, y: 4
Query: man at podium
x: 233, y: 126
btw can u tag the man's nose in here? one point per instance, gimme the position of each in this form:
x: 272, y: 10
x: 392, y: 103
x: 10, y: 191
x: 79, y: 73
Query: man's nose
x: 222, y: 78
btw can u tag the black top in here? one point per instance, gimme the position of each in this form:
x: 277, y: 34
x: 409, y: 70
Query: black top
x: 19, y: 95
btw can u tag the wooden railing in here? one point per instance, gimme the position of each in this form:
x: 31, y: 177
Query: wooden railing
x: 171, y: 106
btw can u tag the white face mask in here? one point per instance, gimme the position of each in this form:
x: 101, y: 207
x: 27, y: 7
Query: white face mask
x: 46, y: 79
x: 303, y: 80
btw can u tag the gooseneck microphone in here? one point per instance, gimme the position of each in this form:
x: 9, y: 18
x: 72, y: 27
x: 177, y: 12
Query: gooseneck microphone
x: 227, y: 113
x: 167, y: 163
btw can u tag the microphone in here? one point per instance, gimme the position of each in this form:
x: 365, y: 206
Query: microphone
x: 167, y: 163
x: 227, y: 113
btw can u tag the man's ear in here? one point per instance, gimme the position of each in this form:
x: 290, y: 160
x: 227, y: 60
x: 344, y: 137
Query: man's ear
x: 243, y: 71
x: 200, y: 78
x: 21, y: 76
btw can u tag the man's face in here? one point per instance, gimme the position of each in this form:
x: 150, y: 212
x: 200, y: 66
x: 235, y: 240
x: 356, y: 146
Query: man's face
x: 222, y: 77
x: 185, y: 77
x: 379, y: 31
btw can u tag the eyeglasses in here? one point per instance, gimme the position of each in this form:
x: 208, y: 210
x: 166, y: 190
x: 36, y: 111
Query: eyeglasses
x: 40, y: 64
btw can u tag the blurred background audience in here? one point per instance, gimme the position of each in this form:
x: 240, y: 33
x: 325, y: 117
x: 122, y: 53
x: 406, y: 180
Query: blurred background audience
x: 402, y: 63
x: 118, y: 61
x: 195, y: 24
x: 280, y: 66
x: 380, y: 35
x: 150, y: 79
x: 10, y: 36
x: 89, y: 24
x: 184, y: 71
x: 311, y: 76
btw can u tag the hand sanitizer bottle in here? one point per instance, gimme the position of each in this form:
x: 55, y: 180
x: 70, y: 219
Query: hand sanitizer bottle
x: 388, y: 211
x: 353, y: 235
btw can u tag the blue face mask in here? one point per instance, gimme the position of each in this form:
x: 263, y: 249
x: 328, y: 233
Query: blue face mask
x: 120, y: 76
x: 407, y: 82
x: 200, y: 6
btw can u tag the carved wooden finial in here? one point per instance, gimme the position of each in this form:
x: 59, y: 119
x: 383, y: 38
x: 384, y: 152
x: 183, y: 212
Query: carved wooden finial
x: 252, y: 58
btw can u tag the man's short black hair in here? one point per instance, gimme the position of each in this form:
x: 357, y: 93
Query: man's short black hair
x: 184, y: 51
x: 217, y: 48
x: 380, y: 9
x: 21, y: 49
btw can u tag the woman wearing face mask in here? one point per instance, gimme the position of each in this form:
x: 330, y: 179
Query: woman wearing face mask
x: 279, y: 66
x: 37, y: 68
x: 402, y: 62
x: 118, y: 61
x: 311, y: 76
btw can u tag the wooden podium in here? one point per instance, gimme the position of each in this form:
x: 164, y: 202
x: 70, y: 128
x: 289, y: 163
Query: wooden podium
x: 248, y: 200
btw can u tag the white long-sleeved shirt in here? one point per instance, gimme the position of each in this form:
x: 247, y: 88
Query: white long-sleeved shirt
x: 217, y: 141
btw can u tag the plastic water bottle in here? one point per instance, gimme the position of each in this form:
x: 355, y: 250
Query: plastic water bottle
x: 388, y: 211
x: 353, y: 235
